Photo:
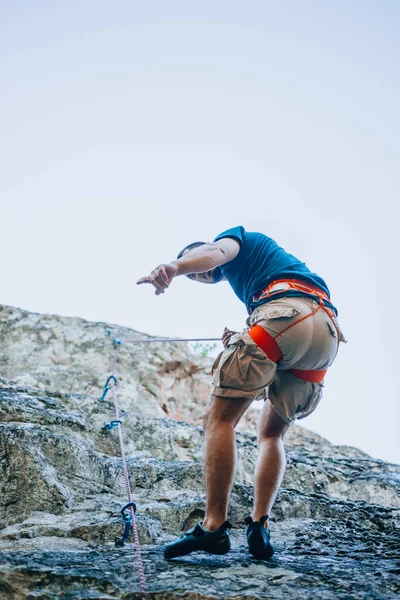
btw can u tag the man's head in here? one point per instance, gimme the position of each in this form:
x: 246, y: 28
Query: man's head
x: 212, y: 276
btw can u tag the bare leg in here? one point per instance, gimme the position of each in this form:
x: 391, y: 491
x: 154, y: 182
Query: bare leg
x: 220, y: 420
x: 271, y: 462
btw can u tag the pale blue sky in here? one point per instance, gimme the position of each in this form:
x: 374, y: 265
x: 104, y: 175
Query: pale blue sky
x: 130, y: 129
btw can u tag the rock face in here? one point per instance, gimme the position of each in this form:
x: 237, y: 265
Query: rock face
x: 75, y: 356
x: 335, y: 523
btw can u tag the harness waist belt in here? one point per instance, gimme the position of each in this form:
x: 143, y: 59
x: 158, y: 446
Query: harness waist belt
x: 282, y: 285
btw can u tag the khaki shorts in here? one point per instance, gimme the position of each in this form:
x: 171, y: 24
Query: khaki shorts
x: 244, y: 371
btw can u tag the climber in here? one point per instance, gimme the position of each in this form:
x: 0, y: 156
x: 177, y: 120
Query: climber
x: 291, y: 339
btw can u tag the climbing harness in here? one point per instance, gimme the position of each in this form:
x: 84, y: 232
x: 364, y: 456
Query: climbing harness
x: 283, y: 285
x: 268, y: 343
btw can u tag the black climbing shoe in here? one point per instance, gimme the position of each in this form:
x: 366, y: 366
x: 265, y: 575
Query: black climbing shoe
x: 258, y: 538
x: 197, y: 538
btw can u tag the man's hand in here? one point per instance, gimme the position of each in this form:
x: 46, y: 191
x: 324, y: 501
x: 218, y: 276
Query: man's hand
x: 226, y: 336
x: 160, y: 277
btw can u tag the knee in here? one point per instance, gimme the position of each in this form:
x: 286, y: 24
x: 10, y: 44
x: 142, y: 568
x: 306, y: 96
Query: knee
x: 271, y: 426
x: 224, y: 412
x: 271, y: 433
x: 212, y: 420
x: 271, y: 437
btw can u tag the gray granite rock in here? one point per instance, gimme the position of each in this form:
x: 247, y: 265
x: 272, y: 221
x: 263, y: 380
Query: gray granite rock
x: 335, y: 524
x: 65, y: 354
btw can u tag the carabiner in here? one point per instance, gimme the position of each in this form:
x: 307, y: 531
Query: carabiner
x: 120, y: 541
x: 112, y: 424
x: 107, y: 387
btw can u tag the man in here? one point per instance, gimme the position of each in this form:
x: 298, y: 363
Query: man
x: 292, y: 338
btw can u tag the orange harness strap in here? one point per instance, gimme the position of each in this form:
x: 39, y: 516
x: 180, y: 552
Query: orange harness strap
x: 269, y: 345
x: 266, y: 342
x: 315, y: 376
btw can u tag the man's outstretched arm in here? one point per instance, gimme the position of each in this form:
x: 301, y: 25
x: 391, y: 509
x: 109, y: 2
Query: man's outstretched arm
x: 199, y: 260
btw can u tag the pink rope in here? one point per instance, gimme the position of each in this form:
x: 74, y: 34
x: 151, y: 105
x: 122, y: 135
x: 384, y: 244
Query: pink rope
x: 115, y: 364
x: 128, y: 486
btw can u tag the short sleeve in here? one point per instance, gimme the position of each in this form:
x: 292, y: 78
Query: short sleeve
x: 237, y: 233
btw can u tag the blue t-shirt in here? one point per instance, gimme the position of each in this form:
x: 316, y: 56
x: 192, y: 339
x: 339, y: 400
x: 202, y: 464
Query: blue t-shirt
x: 260, y: 262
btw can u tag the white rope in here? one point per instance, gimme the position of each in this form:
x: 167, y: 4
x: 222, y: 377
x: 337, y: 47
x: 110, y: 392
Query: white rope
x: 149, y: 340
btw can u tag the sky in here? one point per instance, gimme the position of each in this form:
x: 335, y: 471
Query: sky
x: 129, y: 129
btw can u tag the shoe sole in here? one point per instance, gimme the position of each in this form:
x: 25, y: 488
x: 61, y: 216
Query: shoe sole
x: 218, y: 551
x: 262, y: 555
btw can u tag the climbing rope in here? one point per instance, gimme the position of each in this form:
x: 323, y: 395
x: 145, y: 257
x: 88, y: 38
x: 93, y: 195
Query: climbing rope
x: 129, y: 518
x: 149, y: 340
